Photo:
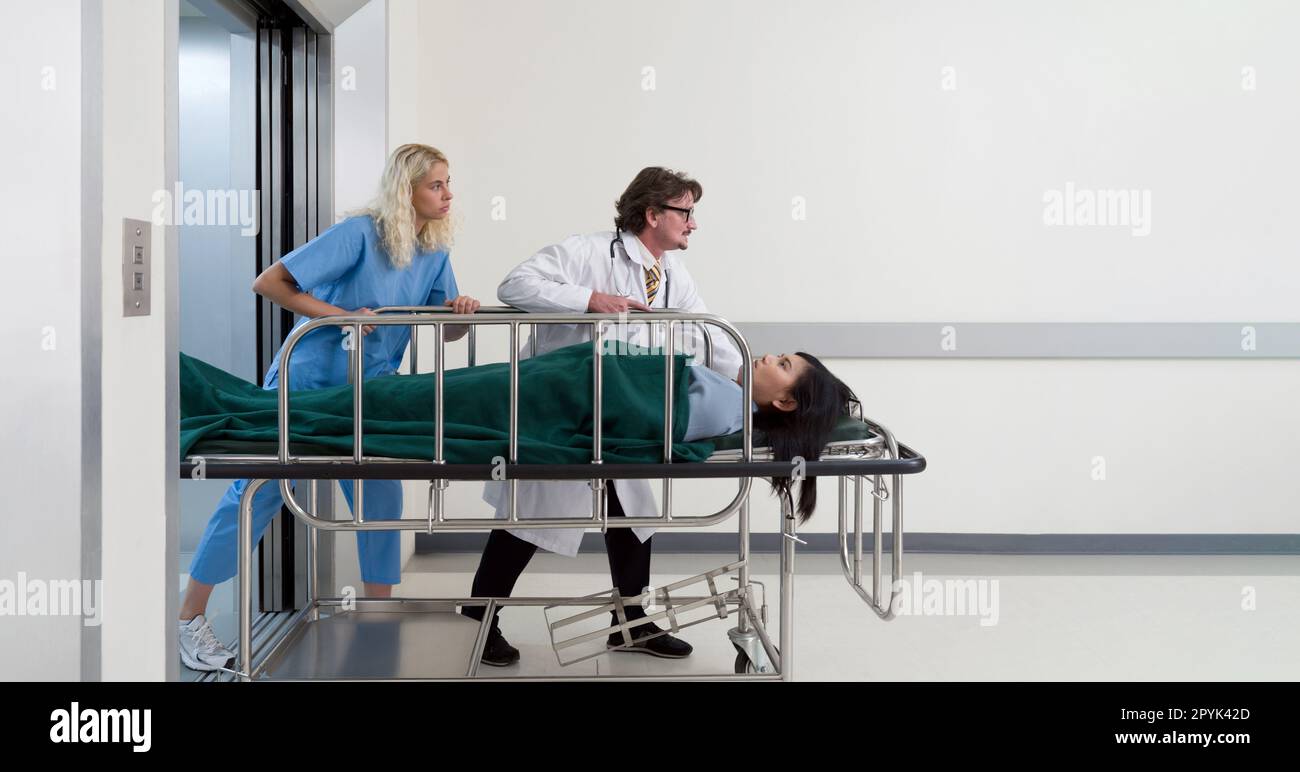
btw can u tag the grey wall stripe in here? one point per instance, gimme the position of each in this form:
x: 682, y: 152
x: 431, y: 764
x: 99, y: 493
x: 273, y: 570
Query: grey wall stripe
x: 952, y: 543
x: 92, y: 235
x: 957, y: 340
x: 171, y: 338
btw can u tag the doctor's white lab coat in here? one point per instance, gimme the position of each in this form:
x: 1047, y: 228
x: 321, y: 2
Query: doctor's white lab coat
x: 560, y: 279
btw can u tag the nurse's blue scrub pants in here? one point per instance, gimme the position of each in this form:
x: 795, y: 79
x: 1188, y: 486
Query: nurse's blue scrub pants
x: 380, y: 551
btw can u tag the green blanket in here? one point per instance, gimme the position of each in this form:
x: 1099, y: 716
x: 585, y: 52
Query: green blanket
x: 219, y: 410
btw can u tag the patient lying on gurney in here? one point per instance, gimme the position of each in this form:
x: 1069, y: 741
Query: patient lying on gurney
x: 796, y: 403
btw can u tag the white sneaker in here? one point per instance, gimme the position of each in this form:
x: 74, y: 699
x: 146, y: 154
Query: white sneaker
x: 200, y: 649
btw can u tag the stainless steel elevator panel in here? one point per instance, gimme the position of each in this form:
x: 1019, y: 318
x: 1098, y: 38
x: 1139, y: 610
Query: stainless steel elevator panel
x: 137, y: 268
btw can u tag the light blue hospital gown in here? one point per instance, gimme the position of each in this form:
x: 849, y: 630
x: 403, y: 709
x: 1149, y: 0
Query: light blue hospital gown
x: 348, y: 267
x: 715, y: 405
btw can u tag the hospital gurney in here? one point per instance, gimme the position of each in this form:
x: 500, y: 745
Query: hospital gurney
x: 861, y: 451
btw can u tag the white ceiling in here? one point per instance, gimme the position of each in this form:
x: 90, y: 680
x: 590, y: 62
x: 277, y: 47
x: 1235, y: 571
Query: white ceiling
x: 337, y: 11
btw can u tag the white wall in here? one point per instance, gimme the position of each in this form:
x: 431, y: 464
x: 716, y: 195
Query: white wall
x: 929, y: 199
x: 138, y: 626
x: 407, y: 82
x: 42, y: 413
x: 926, y: 204
x: 360, y: 96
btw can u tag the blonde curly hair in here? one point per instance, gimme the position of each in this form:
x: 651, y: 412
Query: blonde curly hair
x: 392, y: 210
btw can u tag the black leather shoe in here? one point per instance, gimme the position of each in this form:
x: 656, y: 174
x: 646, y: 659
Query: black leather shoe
x: 498, y: 652
x: 665, y: 645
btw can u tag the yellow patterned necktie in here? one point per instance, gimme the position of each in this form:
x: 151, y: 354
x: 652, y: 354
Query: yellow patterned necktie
x: 651, y: 283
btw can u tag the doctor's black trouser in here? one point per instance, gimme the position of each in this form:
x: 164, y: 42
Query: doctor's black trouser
x: 507, y: 555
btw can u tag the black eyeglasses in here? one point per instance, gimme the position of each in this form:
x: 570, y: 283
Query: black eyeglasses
x: 689, y: 213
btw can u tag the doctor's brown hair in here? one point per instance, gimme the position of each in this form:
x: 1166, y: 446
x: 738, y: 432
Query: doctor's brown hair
x: 652, y: 187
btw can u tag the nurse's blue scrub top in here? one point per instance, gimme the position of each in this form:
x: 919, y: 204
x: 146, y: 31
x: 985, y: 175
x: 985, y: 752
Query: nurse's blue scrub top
x: 348, y: 267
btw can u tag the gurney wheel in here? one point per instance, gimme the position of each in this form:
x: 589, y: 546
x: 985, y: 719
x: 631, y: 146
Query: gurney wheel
x: 743, y: 665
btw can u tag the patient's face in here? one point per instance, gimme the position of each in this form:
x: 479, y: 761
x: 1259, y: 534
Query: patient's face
x: 774, y: 377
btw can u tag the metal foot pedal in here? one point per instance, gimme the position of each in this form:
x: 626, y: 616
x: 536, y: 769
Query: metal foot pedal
x: 667, y: 603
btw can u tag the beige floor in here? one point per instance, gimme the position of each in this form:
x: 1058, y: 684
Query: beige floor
x: 1125, y: 618
x: 1075, y: 618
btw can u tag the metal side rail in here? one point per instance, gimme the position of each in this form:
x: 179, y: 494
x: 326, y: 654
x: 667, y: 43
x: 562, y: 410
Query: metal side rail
x: 851, y: 567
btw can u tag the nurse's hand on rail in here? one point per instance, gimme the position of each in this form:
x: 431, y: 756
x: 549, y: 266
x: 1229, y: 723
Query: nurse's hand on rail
x: 601, y: 303
x: 463, y: 305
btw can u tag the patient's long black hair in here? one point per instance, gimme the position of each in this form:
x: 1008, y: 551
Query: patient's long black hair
x: 820, y: 400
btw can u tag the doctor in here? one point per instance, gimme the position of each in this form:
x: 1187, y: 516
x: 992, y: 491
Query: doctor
x: 637, y: 266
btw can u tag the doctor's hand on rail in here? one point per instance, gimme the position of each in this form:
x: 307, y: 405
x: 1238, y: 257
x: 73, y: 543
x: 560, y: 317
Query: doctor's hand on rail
x: 601, y: 303
x: 463, y: 304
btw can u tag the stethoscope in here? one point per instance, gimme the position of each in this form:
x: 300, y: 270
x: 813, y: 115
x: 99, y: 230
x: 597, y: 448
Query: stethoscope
x: 663, y: 281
